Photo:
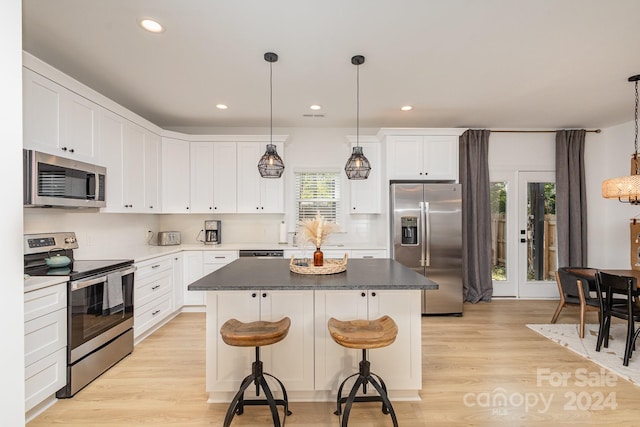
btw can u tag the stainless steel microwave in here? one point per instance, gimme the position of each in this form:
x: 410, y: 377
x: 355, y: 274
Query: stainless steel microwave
x: 52, y: 181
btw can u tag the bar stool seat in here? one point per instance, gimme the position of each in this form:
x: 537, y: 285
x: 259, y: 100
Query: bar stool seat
x: 364, y: 335
x: 256, y: 334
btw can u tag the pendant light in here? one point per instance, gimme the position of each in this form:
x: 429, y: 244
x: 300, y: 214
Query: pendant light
x: 358, y: 166
x: 626, y: 188
x: 271, y: 164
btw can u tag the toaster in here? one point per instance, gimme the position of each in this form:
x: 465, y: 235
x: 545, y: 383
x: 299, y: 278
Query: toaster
x: 168, y: 238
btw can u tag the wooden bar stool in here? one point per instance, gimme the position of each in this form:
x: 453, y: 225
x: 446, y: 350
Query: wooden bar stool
x: 364, y: 335
x: 256, y: 334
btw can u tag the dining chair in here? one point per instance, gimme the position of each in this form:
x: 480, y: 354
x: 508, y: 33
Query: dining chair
x: 577, y: 286
x: 625, y: 287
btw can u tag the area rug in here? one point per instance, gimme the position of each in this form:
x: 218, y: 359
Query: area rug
x: 609, y: 358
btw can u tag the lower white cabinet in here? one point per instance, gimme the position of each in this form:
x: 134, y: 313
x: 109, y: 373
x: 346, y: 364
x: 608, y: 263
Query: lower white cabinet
x: 45, y: 343
x: 198, y: 264
x: 192, y: 271
x: 290, y: 360
x: 308, y: 361
x: 153, y: 296
x: 398, y: 364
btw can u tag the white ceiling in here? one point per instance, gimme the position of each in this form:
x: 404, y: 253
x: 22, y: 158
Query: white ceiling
x: 460, y: 63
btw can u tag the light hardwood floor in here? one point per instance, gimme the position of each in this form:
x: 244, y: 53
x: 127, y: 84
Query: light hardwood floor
x: 487, y: 351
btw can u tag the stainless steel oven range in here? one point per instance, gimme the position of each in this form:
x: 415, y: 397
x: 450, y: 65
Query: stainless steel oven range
x: 99, y: 305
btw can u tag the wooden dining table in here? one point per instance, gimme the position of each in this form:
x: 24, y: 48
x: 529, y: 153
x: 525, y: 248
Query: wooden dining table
x: 588, y: 275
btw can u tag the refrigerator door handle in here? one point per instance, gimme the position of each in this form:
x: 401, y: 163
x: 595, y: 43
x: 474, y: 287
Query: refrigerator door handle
x: 427, y: 235
x: 423, y: 234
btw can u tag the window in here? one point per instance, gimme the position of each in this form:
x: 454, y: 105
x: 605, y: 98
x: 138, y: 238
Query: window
x: 318, y: 192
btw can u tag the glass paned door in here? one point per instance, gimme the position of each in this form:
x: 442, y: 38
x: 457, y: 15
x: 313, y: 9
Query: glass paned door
x: 504, y: 265
x: 537, y: 235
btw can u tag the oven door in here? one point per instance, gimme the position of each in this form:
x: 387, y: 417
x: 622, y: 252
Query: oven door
x: 92, y: 321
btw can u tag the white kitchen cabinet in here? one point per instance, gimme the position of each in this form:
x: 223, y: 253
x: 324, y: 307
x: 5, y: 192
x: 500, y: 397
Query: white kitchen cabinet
x: 131, y: 155
x: 366, y: 193
x: 58, y: 121
x: 133, y: 167
x: 193, y: 270
x: 369, y: 253
x: 152, y: 177
x: 111, y: 155
x: 178, y: 281
x: 213, y: 172
x: 153, y: 296
x: 422, y: 157
x: 290, y: 360
x: 176, y: 166
x: 257, y: 194
x: 45, y: 343
x: 198, y: 264
x: 398, y: 364
x: 202, y: 166
x: 225, y: 177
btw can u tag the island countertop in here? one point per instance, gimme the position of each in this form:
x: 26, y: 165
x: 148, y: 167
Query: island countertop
x: 274, y: 274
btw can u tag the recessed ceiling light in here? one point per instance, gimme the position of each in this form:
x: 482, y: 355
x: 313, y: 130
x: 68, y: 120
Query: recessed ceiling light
x: 406, y: 108
x: 221, y: 107
x: 315, y: 107
x: 151, y: 25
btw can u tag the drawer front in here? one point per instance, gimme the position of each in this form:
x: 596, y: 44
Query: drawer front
x: 156, y: 265
x: 150, y: 314
x: 152, y: 287
x: 219, y: 257
x: 44, y: 377
x: 44, y: 301
x: 369, y: 253
x: 44, y: 335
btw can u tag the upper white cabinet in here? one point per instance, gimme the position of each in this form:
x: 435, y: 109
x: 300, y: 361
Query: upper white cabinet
x: 213, y: 172
x: 57, y: 120
x: 422, y: 154
x: 257, y: 194
x: 176, y: 166
x: 366, y: 193
x: 131, y: 155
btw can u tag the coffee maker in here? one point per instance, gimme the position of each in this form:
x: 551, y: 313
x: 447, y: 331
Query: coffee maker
x: 212, y: 232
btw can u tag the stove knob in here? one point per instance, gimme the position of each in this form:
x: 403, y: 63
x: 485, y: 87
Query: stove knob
x: 70, y: 240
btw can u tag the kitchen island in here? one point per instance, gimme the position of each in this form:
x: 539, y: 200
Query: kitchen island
x: 307, y: 361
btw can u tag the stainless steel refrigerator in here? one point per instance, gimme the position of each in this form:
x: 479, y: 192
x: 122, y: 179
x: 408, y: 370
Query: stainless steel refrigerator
x: 426, y: 236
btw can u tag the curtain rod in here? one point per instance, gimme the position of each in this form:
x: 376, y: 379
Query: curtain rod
x: 538, y: 131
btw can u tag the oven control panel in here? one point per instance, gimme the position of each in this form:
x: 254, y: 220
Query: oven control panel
x: 43, y: 242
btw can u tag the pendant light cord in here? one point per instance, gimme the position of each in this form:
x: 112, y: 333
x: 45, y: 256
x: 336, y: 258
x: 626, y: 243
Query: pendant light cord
x: 358, y: 108
x: 636, y: 139
x: 271, y: 102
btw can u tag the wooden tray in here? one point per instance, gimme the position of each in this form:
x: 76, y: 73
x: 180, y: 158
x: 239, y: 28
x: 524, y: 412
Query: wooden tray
x: 330, y: 266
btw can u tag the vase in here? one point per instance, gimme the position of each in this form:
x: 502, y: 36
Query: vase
x: 318, y: 258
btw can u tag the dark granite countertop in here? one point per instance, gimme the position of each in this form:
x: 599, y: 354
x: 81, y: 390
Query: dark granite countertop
x: 274, y: 274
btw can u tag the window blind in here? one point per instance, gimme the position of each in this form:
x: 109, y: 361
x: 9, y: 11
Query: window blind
x: 318, y: 192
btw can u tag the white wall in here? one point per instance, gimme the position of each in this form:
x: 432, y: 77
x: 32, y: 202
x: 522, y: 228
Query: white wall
x: 96, y: 232
x: 12, y: 301
x: 606, y: 155
x: 608, y: 220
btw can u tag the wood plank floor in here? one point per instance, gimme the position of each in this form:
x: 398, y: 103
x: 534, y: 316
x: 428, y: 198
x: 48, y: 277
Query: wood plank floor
x: 465, y: 360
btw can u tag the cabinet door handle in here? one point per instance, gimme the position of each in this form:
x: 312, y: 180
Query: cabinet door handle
x: 155, y: 266
x: 153, y: 288
x: 63, y: 148
x: 155, y: 312
x: 373, y: 294
x: 253, y: 295
x: 264, y: 295
x: 363, y: 294
x: 71, y: 150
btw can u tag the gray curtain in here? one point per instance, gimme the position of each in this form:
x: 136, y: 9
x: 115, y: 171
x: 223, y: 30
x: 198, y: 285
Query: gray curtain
x: 571, y: 199
x: 476, y: 215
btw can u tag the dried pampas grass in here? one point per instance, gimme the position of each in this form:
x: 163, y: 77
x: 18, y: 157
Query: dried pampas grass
x: 317, y: 230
